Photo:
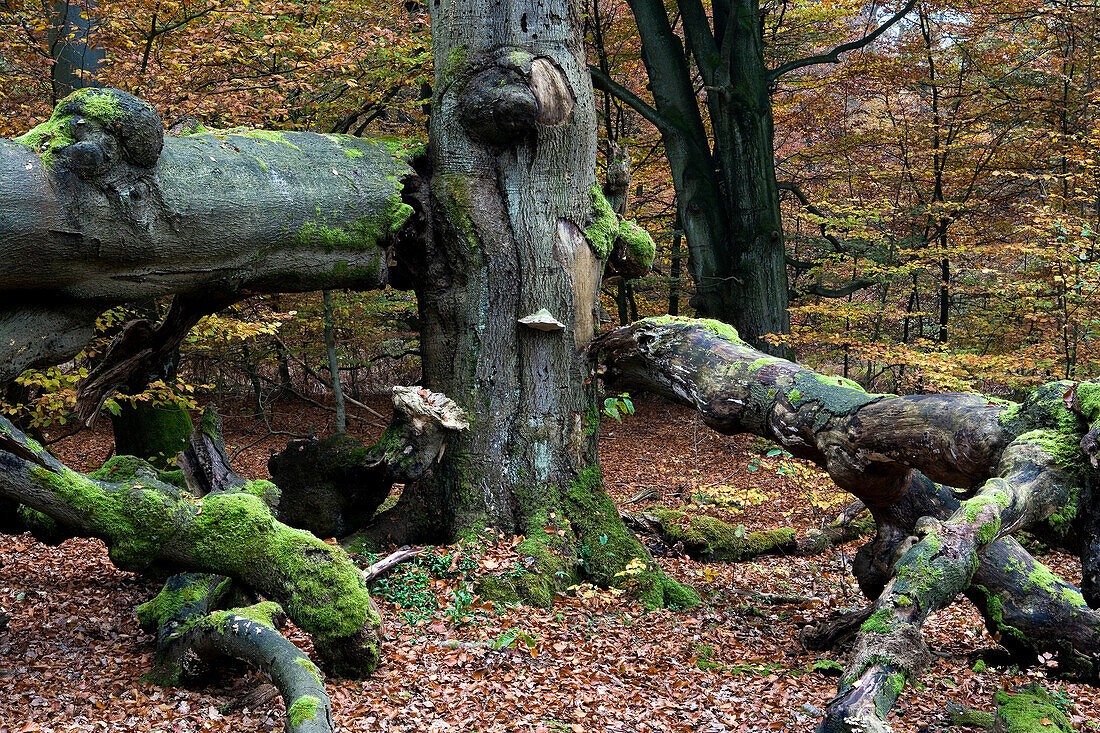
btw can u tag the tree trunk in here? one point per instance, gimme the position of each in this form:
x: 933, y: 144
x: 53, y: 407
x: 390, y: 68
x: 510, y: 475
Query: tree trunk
x: 76, y: 56
x: 727, y: 199
x: 507, y: 290
x: 100, y: 209
x: 752, y: 293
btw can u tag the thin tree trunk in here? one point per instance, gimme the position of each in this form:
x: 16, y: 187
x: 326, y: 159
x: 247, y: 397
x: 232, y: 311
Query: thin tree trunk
x: 334, y: 364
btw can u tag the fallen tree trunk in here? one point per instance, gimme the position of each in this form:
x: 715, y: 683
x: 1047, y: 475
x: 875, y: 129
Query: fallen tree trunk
x: 100, y: 209
x: 1008, y: 467
x: 709, y: 539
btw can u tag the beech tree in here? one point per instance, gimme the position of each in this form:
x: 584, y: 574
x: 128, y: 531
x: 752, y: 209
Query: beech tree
x: 500, y: 229
x: 719, y: 146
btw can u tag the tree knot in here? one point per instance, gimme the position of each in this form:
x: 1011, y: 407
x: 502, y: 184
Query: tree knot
x: 94, y: 130
x: 509, y: 92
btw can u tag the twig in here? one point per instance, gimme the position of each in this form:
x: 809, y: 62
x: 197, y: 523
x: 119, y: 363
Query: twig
x: 390, y: 561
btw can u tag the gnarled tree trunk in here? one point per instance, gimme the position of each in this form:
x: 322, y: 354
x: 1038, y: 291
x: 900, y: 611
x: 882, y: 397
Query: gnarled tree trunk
x: 507, y: 286
x: 1010, y: 466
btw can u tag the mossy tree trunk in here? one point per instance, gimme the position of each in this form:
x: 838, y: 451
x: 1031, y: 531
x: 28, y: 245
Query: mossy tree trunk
x: 507, y: 285
x: 1011, y: 466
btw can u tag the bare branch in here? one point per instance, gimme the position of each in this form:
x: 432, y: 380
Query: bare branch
x: 833, y: 56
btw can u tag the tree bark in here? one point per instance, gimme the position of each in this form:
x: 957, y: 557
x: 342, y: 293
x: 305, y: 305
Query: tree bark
x: 1012, y: 466
x: 100, y: 209
x: 507, y: 292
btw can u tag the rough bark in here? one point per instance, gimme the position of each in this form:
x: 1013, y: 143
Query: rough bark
x: 100, y: 209
x: 1011, y: 466
x: 507, y: 292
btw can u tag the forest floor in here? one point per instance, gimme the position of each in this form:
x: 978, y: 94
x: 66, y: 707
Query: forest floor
x: 73, y: 657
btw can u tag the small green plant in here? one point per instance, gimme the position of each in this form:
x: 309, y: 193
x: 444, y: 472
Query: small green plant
x: 1061, y: 699
x: 618, y: 406
x: 512, y: 637
x: 409, y: 587
x: 460, y: 611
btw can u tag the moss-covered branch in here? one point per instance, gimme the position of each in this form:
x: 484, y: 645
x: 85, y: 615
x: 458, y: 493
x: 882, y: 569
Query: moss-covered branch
x: 100, y: 208
x: 146, y: 522
x: 192, y: 634
x: 710, y: 539
x: 1013, y: 466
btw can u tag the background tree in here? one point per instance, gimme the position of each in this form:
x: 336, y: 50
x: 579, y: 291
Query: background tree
x: 723, y: 168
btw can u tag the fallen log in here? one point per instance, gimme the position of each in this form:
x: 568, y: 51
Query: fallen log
x: 947, y: 478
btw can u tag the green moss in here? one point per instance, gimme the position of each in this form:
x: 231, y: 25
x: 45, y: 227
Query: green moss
x: 765, y: 361
x: 1011, y: 415
x: 126, y: 469
x: 988, y: 531
x: 711, y: 539
x: 262, y: 613
x: 794, y: 395
x: 42, y: 526
x: 268, y: 135
x: 1025, y: 712
x: 827, y: 667
x: 312, y: 669
x: 640, y: 247
x: 1041, y: 577
x: 1064, y: 448
x: 457, y: 56
x: 1088, y: 400
x: 1061, y: 521
x: 99, y: 104
x: 237, y: 532
x: 353, y: 152
x: 365, y: 232
x: 133, y: 521
x: 979, y: 666
x: 49, y: 137
x: 702, y: 654
x: 972, y: 507
x: 896, y: 681
x: 994, y: 613
x: 265, y: 490
x: 881, y: 621
x: 304, y: 709
x: 604, y: 229
x: 155, y: 432
x: 607, y: 548
x: 718, y: 328
x: 181, y: 592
